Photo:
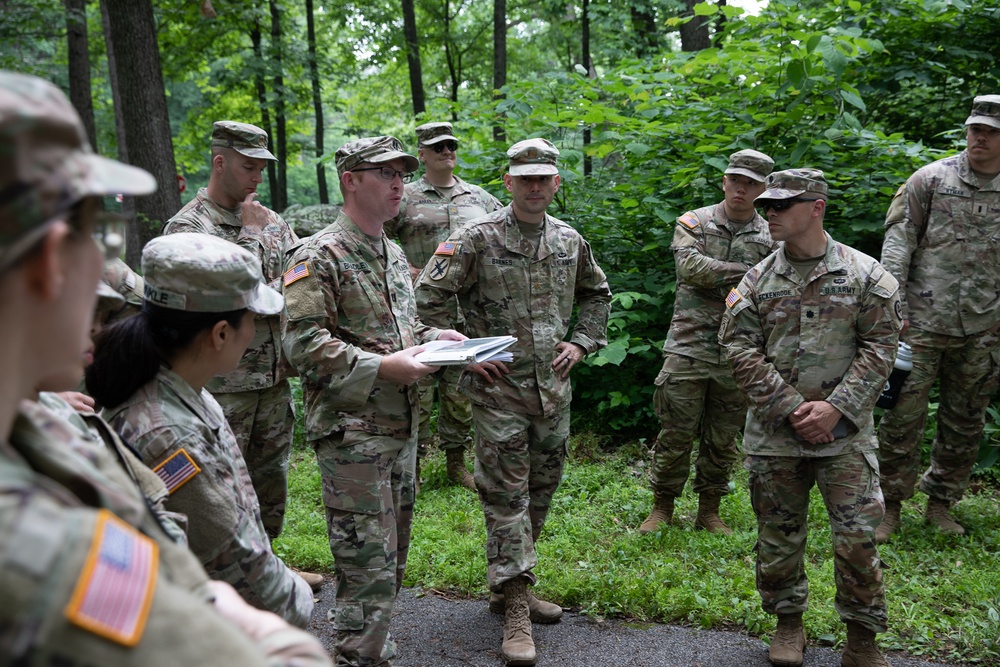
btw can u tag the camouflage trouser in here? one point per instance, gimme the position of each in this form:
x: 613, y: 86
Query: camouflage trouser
x: 968, y: 369
x: 694, y: 399
x: 849, y: 484
x: 368, y: 494
x: 454, y: 411
x: 519, y: 463
x: 264, y: 422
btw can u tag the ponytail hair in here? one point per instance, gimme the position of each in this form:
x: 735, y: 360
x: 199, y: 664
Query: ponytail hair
x: 129, y: 353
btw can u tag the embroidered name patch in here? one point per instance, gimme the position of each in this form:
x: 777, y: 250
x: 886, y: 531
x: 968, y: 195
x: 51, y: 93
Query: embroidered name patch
x: 733, y: 298
x: 500, y: 261
x: 177, y: 470
x: 837, y: 289
x: 297, y: 272
x: 115, y: 588
x: 445, y: 248
x: 688, y: 221
x: 354, y: 266
x: 765, y: 296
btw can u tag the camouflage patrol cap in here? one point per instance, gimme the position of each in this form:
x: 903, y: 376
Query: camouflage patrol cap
x: 432, y: 133
x: 795, y: 183
x: 108, y: 298
x: 243, y: 138
x: 533, y: 157
x: 46, y: 163
x: 750, y: 163
x: 200, y: 273
x: 123, y: 280
x: 375, y: 150
x: 985, y: 111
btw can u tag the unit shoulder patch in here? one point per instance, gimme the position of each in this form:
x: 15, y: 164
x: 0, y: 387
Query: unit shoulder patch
x: 177, y: 470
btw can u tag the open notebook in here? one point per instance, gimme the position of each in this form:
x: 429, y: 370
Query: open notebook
x: 471, y: 351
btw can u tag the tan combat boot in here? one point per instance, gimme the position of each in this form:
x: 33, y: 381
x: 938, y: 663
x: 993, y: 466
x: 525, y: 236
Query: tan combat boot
x: 938, y: 515
x: 314, y: 580
x: 861, y: 650
x: 890, y: 522
x: 518, y: 647
x: 539, y: 611
x: 663, y: 512
x: 788, y: 642
x: 708, y: 514
x: 457, y: 472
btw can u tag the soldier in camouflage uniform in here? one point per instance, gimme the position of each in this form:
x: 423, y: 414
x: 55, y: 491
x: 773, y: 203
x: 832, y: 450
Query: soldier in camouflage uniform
x: 696, y: 396
x: 519, y: 272
x: 433, y: 207
x: 64, y: 522
x: 202, y: 295
x: 352, y: 332
x: 256, y: 397
x: 811, y: 335
x: 941, y: 244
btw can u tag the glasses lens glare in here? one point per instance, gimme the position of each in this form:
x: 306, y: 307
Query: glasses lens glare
x: 450, y: 145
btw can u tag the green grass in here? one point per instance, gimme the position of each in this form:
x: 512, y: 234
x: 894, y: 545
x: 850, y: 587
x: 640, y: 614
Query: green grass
x: 943, y: 592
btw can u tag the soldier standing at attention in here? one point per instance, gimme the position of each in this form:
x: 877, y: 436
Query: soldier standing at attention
x: 696, y: 396
x: 811, y: 335
x: 87, y: 574
x: 941, y: 244
x: 352, y: 332
x: 434, y: 206
x: 256, y: 396
x: 519, y: 272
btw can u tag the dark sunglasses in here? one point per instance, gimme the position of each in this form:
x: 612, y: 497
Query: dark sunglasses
x: 440, y: 146
x: 781, y: 204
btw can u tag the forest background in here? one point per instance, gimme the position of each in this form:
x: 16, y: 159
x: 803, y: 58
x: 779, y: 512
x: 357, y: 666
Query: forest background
x: 645, y: 99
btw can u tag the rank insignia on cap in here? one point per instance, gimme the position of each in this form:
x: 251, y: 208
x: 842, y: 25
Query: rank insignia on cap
x: 116, y: 587
x: 446, y: 248
x: 688, y: 221
x: 177, y: 470
x: 297, y: 272
x: 733, y: 298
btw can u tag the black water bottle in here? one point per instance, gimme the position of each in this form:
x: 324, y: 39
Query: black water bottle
x: 904, y: 364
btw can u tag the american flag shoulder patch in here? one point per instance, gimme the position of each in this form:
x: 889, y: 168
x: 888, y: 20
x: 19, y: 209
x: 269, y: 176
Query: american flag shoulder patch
x: 688, y: 221
x: 733, y: 298
x: 445, y: 248
x: 115, y: 589
x: 297, y: 272
x: 177, y: 470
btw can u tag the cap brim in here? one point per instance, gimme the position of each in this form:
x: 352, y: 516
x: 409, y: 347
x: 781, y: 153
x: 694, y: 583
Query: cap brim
x: 983, y: 120
x: 438, y: 139
x: 266, y: 301
x: 749, y: 173
x: 108, y: 177
x: 411, y: 163
x: 259, y: 153
x: 779, y: 194
x: 533, y: 170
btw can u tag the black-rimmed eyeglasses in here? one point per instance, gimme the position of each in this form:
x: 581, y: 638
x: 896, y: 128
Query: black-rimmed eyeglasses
x: 388, y: 173
x: 440, y: 146
x: 781, y: 204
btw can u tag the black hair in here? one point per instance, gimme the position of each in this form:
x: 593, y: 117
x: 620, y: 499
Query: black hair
x: 128, y: 354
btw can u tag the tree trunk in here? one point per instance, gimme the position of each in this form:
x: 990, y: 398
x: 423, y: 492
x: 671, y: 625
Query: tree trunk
x: 279, y: 199
x: 79, y: 66
x: 133, y: 257
x: 413, y: 57
x: 144, y: 115
x: 644, y: 27
x: 265, y: 111
x: 585, y: 61
x: 324, y: 194
x: 450, y: 57
x: 720, y: 25
x: 694, y: 33
x: 499, y: 60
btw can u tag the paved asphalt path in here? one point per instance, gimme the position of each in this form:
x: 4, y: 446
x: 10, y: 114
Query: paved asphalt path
x: 432, y: 631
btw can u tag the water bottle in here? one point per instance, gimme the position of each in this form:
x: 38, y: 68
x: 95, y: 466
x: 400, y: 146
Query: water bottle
x: 902, y: 368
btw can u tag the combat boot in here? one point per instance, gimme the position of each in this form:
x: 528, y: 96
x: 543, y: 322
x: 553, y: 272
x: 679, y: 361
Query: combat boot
x: 662, y: 514
x: 518, y: 647
x: 938, y: 515
x: 457, y: 472
x: 861, y: 650
x: 708, y: 514
x: 314, y: 580
x: 539, y: 611
x: 788, y: 642
x: 890, y: 522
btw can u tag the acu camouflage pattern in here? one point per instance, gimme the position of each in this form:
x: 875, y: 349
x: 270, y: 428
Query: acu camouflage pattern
x: 225, y: 529
x: 48, y: 517
x: 831, y: 337
x: 355, y: 305
x: 505, y: 288
x: 940, y: 243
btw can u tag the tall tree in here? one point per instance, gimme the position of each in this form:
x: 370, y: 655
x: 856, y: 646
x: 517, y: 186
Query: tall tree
x: 279, y: 199
x: 324, y: 195
x: 133, y: 258
x: 144, y: 114
x: 260, y: 67
x: 643, y: 16
x: 413, y: 57
x: 694, y: 33
x: 585, y: 63
x: 78, y: 51
x: 499, y: 59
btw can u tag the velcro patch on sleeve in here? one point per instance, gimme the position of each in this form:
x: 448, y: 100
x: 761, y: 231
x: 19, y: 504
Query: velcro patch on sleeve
x: 734, y: 297
x: 689, y: 221
x: 297, y: 272
x: 446, y: 248
x: 115, y: 589
x: 177, y: 470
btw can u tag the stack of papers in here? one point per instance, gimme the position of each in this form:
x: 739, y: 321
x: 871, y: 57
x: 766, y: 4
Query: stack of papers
x: 471, y: 351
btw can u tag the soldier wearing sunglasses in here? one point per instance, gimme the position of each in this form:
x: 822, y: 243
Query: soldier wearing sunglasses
x: 433, y: 207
